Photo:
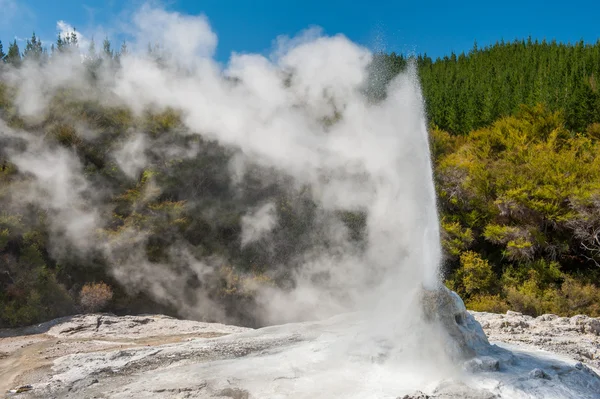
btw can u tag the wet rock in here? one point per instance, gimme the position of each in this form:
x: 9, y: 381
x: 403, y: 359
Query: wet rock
x: 582, y: 367
x: 446, y: 307
x: 453, y: 390
x: 539, y: 374
x: 482, y: 364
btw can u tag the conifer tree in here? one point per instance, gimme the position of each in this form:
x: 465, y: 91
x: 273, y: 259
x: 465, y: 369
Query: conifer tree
x: 33, y: 49
x: 60, y: 43
x: 67, y: 41
x: 2, y: 54
x: 14, y: 55
x: 92, y: 50
x: 124, y: 50
x: 73, y: 38
x: 108, y: 53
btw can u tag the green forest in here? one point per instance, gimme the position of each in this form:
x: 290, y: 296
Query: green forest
x: 515, y: 138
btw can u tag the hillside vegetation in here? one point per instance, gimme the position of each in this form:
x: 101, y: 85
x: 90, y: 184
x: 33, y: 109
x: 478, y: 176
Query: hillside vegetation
x: 515, y: 133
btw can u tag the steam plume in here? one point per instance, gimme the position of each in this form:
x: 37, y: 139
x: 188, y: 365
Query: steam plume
x: 299, y: 116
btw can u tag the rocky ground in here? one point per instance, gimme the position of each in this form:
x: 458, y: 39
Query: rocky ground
x: 101, y: 356
x: 27, y: 354
x: 577, y: 337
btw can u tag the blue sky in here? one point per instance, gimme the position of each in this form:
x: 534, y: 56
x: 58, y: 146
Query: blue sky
x: 426, y: 26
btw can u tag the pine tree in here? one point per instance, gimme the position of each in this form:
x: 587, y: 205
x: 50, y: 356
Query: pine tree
x: 73, y: 39
x: 68, y: 41
x: 33, y: 49
x: 108, y: 53
x: 2, y: 54
x: 93, y: 61
x: 92, y: 50
x: 124, y: 50
x: 14, y: 55
x: 60, y: 43
x: 121, y: 53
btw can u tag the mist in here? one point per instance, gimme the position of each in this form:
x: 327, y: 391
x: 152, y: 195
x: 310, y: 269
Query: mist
x: 297, y: 123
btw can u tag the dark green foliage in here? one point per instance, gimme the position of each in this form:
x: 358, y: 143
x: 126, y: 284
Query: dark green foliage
x: 33, y: 49
x: 2, y: 53
x: 108, y: 53
x: 468, y: 91
x: 29, y: 289
x: 13, y: 56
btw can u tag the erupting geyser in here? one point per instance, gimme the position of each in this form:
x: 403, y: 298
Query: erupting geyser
x: 385, y: 324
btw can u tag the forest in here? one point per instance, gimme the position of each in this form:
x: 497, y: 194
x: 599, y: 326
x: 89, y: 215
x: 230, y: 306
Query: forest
x: 515, y: 137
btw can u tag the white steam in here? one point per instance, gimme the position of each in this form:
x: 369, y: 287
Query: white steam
x: 131, y: 157
x: 258, y: 224
x: 302, y: 113
x: 55, y: 183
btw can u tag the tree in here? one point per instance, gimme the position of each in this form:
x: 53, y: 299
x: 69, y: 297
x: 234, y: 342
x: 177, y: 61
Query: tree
x: 124, y: 50
x: 73, y: 38
x: 67, y: 41
x: 93, y: 61
x: 14, y: 54
x: 2, y: 54
x: 92, y: 50
x: 59, y: 43
x: 33, y: 49
x: 108, y: 53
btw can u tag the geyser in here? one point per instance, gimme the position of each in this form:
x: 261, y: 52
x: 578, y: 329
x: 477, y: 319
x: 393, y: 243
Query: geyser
x: 302, y: 113
x: 381, y: 322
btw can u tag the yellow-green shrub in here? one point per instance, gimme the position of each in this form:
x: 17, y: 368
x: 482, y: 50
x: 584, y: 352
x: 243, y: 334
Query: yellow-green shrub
x: 477, y: 274
x: 487, y: 303
x: 455, y: 238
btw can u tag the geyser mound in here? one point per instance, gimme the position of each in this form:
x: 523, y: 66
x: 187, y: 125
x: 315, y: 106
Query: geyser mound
x: 465, y: 336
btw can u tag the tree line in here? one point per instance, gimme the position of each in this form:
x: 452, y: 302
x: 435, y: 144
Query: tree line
x: 463, y: 92
x: 65, y: 42
x: 467, y: 91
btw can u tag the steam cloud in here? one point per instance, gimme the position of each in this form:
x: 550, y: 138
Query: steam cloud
x: 301, y: 113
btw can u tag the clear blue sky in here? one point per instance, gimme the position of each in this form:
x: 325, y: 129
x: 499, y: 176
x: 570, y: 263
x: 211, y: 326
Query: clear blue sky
x: 426, y: 26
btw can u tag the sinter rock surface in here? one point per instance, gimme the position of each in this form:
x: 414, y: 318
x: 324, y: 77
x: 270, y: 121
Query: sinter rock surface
x: 104, y: 356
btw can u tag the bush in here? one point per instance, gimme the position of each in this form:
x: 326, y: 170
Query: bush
x: 578, y: 297
x: 455, y: 238
x: 477, y: 274
x: 572, y: 297
x: 487, y: 303
x: 94, y: 297
x: 530, y: 299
